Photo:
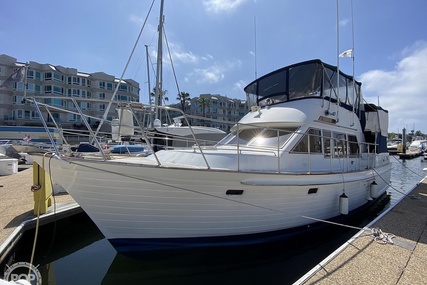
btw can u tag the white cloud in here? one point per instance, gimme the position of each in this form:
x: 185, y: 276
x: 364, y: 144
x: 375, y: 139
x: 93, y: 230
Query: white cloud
x: 214, y: 73
x: 217, y: 6
x: 344, y: 22
x: 239, y: 85
x: 136, y: 19
x: 185, y: 57
x: 401, y: 91
x: 207, y: 57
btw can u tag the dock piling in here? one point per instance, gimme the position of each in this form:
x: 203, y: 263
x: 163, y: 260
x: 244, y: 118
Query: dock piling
x: 42, y: 189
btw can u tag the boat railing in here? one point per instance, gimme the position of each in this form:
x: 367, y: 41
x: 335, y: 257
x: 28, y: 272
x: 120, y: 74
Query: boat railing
x: 143, y: 116
x: 142, y: 112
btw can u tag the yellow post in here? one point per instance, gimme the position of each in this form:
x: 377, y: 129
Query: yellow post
x: 42, y: 189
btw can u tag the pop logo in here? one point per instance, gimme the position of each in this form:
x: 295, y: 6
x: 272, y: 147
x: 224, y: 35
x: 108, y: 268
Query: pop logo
x: 23, y: 271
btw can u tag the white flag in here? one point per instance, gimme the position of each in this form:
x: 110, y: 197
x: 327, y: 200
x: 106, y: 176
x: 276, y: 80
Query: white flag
x: 347, y: 53
x: 17, y: 76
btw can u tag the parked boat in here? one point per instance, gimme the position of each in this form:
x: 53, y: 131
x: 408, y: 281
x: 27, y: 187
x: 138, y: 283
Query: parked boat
x: 418, y: 146
x: 176, y: 135
x: 394, y: 146
x: 307, y: 151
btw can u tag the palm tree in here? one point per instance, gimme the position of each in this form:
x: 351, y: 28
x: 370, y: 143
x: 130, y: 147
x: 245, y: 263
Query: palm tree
x: 162, y: 96
x: 183, y: 97
x: 204, y: 103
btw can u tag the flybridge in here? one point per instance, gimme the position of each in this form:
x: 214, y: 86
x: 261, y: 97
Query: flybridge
x: 306, y: 80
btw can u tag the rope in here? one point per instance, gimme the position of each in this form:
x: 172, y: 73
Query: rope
x: 36, y: 188
x: 381, y: 237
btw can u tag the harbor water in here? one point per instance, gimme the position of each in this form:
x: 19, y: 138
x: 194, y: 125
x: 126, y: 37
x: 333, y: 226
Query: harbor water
x: 73, y: 251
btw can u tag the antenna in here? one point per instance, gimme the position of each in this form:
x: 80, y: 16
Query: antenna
x: 256, y: 76
x: 338, y: 59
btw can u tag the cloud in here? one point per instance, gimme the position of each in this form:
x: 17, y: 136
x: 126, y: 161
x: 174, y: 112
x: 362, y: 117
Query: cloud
x: 179, y: 55
x: 344, y: 22
x: 401, y: 91
x: 214, y: 73
x: 136, y: 19
x: 218, y: 6
x: 239, y: 85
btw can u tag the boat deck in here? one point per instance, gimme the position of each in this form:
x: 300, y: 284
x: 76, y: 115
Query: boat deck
x: 362, y: 260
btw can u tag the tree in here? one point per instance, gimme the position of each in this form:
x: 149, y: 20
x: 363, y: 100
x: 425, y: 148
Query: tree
x: 162, y: 96
x: 183, y: 97
x: 204, y: 103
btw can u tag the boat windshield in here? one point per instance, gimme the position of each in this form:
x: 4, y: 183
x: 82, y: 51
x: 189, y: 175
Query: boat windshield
x: 259, y: 137
x: 303, y: 80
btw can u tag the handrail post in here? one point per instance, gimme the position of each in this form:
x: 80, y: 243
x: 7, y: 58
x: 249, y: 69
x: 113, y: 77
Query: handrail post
x: 88, y: 128
x: 45, y: 125
x: 144, y: 134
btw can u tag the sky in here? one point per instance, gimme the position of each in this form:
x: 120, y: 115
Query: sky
x: 220, y: 46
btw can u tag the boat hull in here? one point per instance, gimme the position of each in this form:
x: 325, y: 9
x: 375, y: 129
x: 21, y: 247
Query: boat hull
x: 139, y: 204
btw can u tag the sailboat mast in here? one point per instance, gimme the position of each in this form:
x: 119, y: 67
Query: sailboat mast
x: 338, y: 60
x: 159, y: 71
x: 149, y: 87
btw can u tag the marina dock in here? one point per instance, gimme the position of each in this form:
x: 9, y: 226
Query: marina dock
x: 408, y: 155
x: 364, y: 260
x: 17, y: 208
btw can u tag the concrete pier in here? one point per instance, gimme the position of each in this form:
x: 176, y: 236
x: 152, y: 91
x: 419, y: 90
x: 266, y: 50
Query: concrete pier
x: 364, y: 260
x: 17, y: 208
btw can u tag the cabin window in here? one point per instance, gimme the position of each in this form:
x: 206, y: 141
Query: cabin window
x: 310, y: 142
x: 302, y: 145
x: 353, y: 145
x: 274, y: 138
x: 259, y: 137
x: 315, y: 141
x: 340, y: 145
x: 327, y: 143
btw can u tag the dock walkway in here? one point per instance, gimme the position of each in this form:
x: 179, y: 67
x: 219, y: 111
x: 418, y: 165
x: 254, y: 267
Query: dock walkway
x: 362, y: 260
x: 17, y: 205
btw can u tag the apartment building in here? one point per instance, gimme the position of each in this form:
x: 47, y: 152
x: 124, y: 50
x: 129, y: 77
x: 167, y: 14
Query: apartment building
x: 46, y: 80
x: 223, y: 111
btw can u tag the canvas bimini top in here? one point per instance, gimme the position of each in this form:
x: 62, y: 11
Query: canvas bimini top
x: 307, y: 79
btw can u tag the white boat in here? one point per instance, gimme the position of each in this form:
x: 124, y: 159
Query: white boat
x: 307, y: 151
x: 394, y: 145
x: 418, y: 146
x: 177, y: 135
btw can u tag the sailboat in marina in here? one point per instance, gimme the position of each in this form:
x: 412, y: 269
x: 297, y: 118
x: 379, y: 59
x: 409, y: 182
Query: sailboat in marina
x: 308, y: 150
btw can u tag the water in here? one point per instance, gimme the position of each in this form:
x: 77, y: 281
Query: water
x: 73, y: 251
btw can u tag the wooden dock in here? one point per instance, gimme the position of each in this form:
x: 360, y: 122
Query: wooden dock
x: 364, y: 260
